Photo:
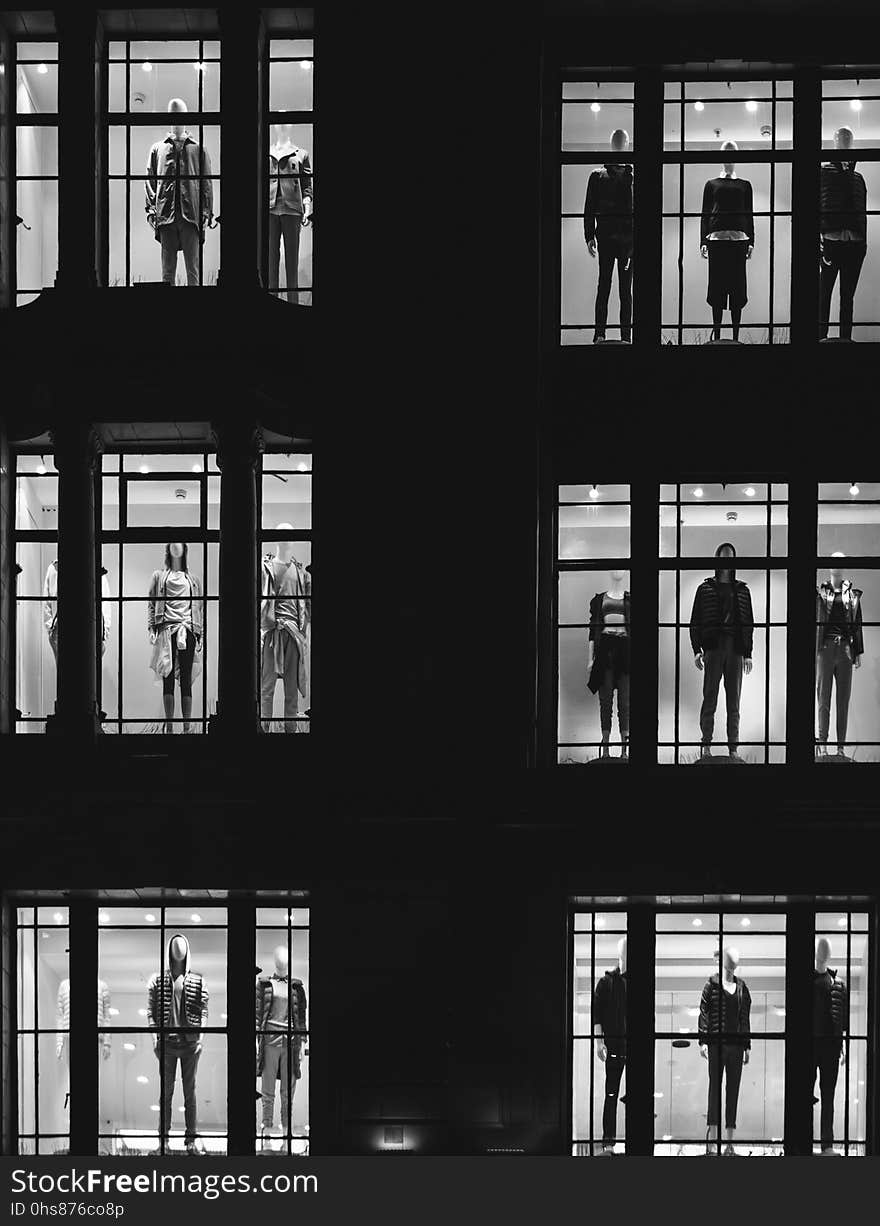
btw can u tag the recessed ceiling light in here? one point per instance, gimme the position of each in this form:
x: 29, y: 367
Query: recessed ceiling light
x: 594, y: 492
x: 142, y: 1080
x: 42, y: 69
x: 113, y: 1012
x: 41, y: 469
x: 667, y: 1136
x: 150, y: 918
x: 223, y: 1017
x: 595, y: 108
x: 699, y: 106
x: 600, y: 921
x: 197, y: 468
x: 854, y: 490
x: 142, y: 1013
x: 199, y: 67
x: 697, y: 922
x: 745, y: 922
x: 855, y: 104
x: 196, y: 918
x: 128, y: 1046
x: 749, y: 491
x: 305, y: 65
x: 658, y: 1093
x: 698, y: 492
x: 751, y: 106
x: 302, y: 468
x: 146, y: 66
x: 144, y: 468
x: 58, y: 917
x: 154, y: 1106
x: 103, y: 917
x: 841, y: 923
x: 45, y: 936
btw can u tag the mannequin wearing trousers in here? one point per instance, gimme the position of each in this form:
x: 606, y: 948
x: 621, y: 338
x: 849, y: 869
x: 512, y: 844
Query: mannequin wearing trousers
x: 727, y: 240
x: 174, y: 625
x: 290, y: 206
x: 281, y: 1020
x: 285, y: 617
x: 843, y: 244
x: 608, y: 227
x: 609, y: 670
x: 50, y: 608
x: 839, y: 649
x: 609, y: 1018
x: 177, y: 1004
x: 830, y: 1022
x: 724, y: 1024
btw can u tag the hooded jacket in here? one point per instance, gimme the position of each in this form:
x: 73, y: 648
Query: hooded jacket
x: 609, y: 1009
x: 608, y: 206
x: 712, y: 1013
x: 843, y: 200
x: 830, y: 1004
x: 296, y: 1001
x: 160, y: 993
x: 705, y: 627
x: 851, y: 598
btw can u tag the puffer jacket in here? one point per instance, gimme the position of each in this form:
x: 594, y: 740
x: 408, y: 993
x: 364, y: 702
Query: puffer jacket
x: 843, y: 200
x: 296, y: 1003
x: 852, y: 607
x: 830, y: 1004
x: 160, y: 993
x: 705, y: 627
x: 608, y: 206
x: 712, y: 1016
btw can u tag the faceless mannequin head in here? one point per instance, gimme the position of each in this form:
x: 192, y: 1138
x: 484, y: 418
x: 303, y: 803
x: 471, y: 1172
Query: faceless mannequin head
x: 177, y: 952
x: 279, y: 954
x: 843, y: 138
x: 725, y: 551
x: 284, y: 549
x: 835, y: 571
x: 617, y: 578
x: 282, y: 133
x: 621, y: 954
x: 176, y: 556
x: 730, y: 960
x: 728, y: 147
x: 823, y: 953
x: 177, y: 106
x: 619, y: 140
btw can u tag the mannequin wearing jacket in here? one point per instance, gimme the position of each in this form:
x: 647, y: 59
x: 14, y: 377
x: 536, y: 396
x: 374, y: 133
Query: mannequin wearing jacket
x: 724, y: 1025
x: 609, y: 1019
x: 608, y: 226
x: 174, y: 625
x: 177, y: 1005
x: 281, y: 1022
x: 609, y: 662
x: 179, y: 197
x: 62, y: 1025
x: 290, y: 205
x: 50, y: 608
x: 721, y: 630
x: 839, y: 649
x: 285, y: 616
x: 843, y: 243
x: 727, y: 240
x: 830, y: 1023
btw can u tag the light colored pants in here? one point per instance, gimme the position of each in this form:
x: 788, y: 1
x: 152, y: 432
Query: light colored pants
x: 276, y: 1065
x: 289, y: 678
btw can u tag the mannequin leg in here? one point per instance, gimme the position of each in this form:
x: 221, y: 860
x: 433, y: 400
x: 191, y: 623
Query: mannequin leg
x: 185, y: 666
x: 824, y: 683
x: 290, y: 227
x: 714, y: 1103
x: 190, y: 242
x: 827, y: 278
x: 169, y: 246
x: 827, y: 1059
x: 272, y: 1047
x: 624, y: 289
x: 169, y: 1069
x: 606, y: 700
x: 733, y: 675
x: 712, y: 669
x: 735, y: 317
x: 843, y: 672
x: 603, y: 289
x: 717, y: 322
x: 733, y: 1067
x: 268, y: 679
x: 274, y: 251
x: 851, y: 259
x: 614, y: 1066
x: 623, y: 711
x: 290, y: 683
x: 189, y: 1063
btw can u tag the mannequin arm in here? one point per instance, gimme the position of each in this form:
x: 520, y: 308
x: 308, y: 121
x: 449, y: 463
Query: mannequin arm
x: 590, y: 210
x: 151, y: 188
x: 705, y: 214
x: 50, y: 603
x: 695, y: 626
x: 151, y: 603
x: 748, y: 624
x: 106, y: 606
x: 307, y: 188
x: 207, y: 186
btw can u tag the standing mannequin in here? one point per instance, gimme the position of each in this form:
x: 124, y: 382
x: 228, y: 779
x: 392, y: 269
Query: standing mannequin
x: 830, y: 1022
x: 609, y: 663
x: 843, y: 241
x: 290, y: 205
x: 50, y: 608
x: 281, y: 1021
x: 178, y: 1006
x: 179, y: 197
x: 608, y: 224
x: 727, y: 240
x: 174, y: 623
x: 285, y: 617
x: 62, y: 1025
x: 839, y: 648
x: 725, y: 1018
x: 609, y: 1017
x: 722, y: 630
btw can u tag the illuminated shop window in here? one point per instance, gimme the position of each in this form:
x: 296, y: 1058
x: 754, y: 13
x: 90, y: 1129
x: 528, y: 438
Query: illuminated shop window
x: 162, y: 1030
x: 43, y: 1015
x: 597, y: 188
x: 720, y: 1026
x: 282, y: 1033
x: 722, y: 622
x: 164, y: 162
x: 288, y: 250
x: 36, y: 169
x: 727, y: 212
x: 847, y: 623
x: 160, y: 533
x: 37, y: 581
x: 849, y: 211
x: 285, y: 590
x: 593, y: 623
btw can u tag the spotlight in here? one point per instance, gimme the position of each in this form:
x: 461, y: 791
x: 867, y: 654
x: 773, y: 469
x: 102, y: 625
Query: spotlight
x: 146, y: 67
x: 595, y: 108
x: 855, y: 104
x: 302, y: 468
x: 196, y: 918
x: 305, y: 65
x: 698, y: 492
x: 594, y: 492
x: 58, y: 917
x: 699, y: 106
x: 144, y: 469
x: 150, y: 918
x: 103, y: 917
x: 854, y: 490
x: 41, y: 467
x: 128, y: 1047
x: 841, y: 923
x: 42, y: 69
x: 697, y: 922
x: 197, y: 468
x: 154, y: 1106
x: 749, y: 491
x: 751, y: 106
x: 745, y: 922
x: 142, y: 1080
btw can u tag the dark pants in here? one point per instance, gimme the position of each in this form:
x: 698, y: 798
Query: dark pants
x: 610, y: 682
x: 611, y: 249
x: 614, y: 1066
x: 279, y: 1064
x: 727, y: 273
x: 726, y: 1060
x: 181, y: 661
x: 179, y: 235
x: 826, y: 1062
x: 289, y: 680
x: 834, y: 664
x: 284, y: 226
x: 723, y: 661
x: 846, y: 259
x: 186, y: 1051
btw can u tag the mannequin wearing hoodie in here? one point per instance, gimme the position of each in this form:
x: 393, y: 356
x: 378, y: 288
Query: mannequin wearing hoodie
x: 843, y: 243
x: 609, y: 1020
x: 839, y: 649
x: 177, y: 1006
x: 725, y: 1041
x: 609, y: 664
x: 727, y: 240
x: 281, y: 1022
x: 608, y: 226
x: 830, y: 1023
x: 285, y: 615
x: 721, y: 630
x: 50, y: 608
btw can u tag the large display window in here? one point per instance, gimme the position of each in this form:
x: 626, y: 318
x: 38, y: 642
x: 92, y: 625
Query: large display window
x: 36, y: 590
x: 288, y: 250
x: 282, y: 1032
x: 160, y: 532
x: 36, y: 168
x: 840, y: 1033
x: 43, y: 1016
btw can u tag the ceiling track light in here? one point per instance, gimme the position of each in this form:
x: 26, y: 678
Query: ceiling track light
x: 594, y: 491
x: 854, y: 490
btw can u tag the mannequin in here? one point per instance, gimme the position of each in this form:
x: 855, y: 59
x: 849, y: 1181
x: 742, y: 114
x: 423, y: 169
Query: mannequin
x: 609, y: 1018
x: 281, y: 1021
x: 608, y: 225
x: 725, y: 1013
x: 179, y: 196
x: 839, y: 648
x: 62, y: 1025
x: 727, y: 240
x: 177, y: 1005
x: 50, y: 608
x: 722, y: 630
x: 174, y: 623
x: 285, y: 617
x: 843, y: 241
x: 609, y: 661
x: 830, y: 1023
x: 290, y: 205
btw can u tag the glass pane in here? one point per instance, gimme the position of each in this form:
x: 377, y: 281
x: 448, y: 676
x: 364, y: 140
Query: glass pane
x: 290, y: 86
x: 589, y: 125
x: 36, y: 233
x: 37, y: 89
x: 849, y: 271
x: 592, y: 530
x: 36, y: 151
x: 176, y: 503
x: 279, y: 48
x: 596, y: 236
x: 287, y: 500
x: 285, y: 635
x: 173, y: 49
x: 853, y: 526
x: 701, y: 524
x: 847, y: 656
x: 36, y: 644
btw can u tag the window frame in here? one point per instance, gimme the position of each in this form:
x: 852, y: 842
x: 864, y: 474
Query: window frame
x: 47, y: 119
